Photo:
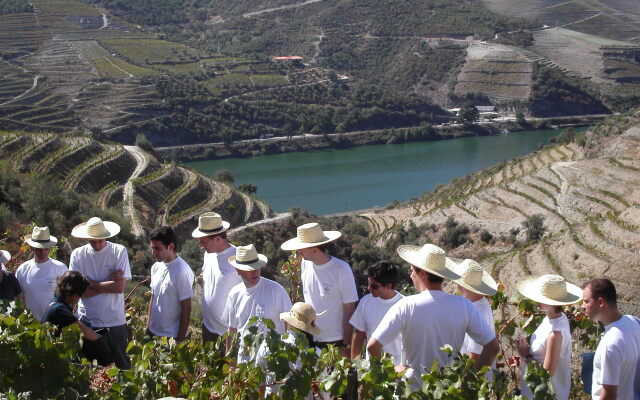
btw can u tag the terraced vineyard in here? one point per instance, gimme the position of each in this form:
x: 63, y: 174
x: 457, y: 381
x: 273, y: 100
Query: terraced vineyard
x: 590, y: 201
x: 156, y: 194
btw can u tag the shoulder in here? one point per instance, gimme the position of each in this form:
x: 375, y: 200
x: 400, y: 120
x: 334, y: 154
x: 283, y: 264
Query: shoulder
x: 80, y: 251
x: 23, y: 267
x: 58, y: 264
x: 235, y: 291
x: 338, y: 263
x: 118, y: 249
x: 273, y: 285
x: 365, y: 300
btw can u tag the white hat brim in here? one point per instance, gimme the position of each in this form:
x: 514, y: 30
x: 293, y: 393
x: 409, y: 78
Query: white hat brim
x: 197, y: 233
x: 4, y: 256
x: 530, y: 288
x: 80, y: 231
x: 53, y: 241
x: 411, y: 254
x: 261, y: 263
x: 296, y: 323
x: 296, y: 244
x: 487, y: 287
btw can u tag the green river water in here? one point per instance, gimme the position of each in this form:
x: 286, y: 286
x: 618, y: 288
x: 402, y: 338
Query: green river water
x: 333, y: 181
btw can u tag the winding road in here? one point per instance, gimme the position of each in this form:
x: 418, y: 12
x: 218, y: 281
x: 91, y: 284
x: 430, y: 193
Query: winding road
x: 128, y: 193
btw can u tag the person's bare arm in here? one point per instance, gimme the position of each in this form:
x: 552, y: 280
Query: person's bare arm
x: 489, y: 353
x: 609, y: 392
x: 552, y: 355
x: 149, y: 311
x: 356, y: 343
x: 185, y: 315
x: 374, y: 348
x: 87, y: 332
x: 347, y: 329
x: 115, y: 283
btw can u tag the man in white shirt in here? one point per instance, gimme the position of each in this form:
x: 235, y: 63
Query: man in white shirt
x: 38, y: 276
x: 106, y: 267
x: 217, y: 274
x: 254, y: 297
x: 431, y: 319
x: 171, y: 287
x: 382, y: 277
x: 616, y: 364
x: 327, y: 284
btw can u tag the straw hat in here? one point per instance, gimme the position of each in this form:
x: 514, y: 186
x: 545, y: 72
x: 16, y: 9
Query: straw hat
x: 553, y: 290
x: 475, y: 278
x: 210, y: 223
x: 430, y: 258
x: 40, y: 238
x: 301, y: 316
x: 95, y: 228
x: 310, y: 235
x: 247, y: 258
x: 4, y: 256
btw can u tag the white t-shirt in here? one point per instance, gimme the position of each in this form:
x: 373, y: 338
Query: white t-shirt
x: 368, y: 315
x: 327, y: 287
x: 38, y: 283
x: 170, y: 284
x: 105, y: 309
x: 469, y: 345
x: 267, y: 299
x: 561, y: 379
x: 218, y: 278
x: 617, y: 359
x: 428, y: 321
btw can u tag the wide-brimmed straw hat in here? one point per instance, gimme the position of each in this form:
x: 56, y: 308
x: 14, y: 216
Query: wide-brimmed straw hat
x: 210, y: 223
x: 430, y: 258
x: 95, y: 228
x: 4, y: 256
x: 40, y: 238
x: 301, y: 316
x: 248, y: 259
x: 553, y: 290
x: 473, y: 277
x: 310, y: 235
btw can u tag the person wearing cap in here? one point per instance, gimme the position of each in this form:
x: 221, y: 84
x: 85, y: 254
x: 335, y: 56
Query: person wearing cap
x: 382, y: 277
x: 616, y: 364
x: 475, y: 284
x: 328, y: 285
x: 254, y: 297
x: 171, y: 287
x: 39, y: 275
x: 432, y: 318
x: 9, y: 285
x: 217, y: 274
x: 106, y: 266
x: 550, y: 344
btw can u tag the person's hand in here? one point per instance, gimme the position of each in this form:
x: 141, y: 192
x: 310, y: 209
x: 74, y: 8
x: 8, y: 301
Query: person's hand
x: 524, y: 349
x: 116, y: 275
x: 345, y: 351
x: 401, y: 368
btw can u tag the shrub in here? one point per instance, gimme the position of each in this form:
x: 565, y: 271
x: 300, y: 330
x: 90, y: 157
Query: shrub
x: 486, y: 236
x: 534, y: 226
x: 225, y: 176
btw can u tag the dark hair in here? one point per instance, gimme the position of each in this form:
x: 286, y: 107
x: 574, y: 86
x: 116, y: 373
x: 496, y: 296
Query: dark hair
x: 602, y: 288
x: 383, y: 272
x: 433, y: 278
x: 166, y: 235
x: 70, y: 283
x: 222, y: 235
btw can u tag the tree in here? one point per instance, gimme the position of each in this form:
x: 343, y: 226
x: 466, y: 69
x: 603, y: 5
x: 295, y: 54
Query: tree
x: 225, y: 176
x: 468, y: 114
x: 248, y: 188
x: 534, y: 226
x: 520, y: 120
x: 144, y: 143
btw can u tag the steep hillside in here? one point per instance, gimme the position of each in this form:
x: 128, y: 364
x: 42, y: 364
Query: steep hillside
x: 150, y: 194
x: 587, y: 192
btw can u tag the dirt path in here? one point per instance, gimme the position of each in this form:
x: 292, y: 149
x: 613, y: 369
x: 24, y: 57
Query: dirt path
x: 26, y: 92
x: 129, y: 209
x: 120, y: 69
x: 262, y: 221
x: 564, y: 187
x: 105, y: 21
x: 289, y: 6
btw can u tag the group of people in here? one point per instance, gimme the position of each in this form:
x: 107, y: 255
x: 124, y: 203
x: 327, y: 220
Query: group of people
x: 411, y: 329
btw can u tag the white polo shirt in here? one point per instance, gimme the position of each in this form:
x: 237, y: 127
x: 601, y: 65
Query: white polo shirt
x: 327, y: 287
x: 617, y: 359
x: 170, y: 284
x: 104, y: 309
x: 367, y: 317
x: 38, y: 283
x: 428, y: 321
x: 219, y: 277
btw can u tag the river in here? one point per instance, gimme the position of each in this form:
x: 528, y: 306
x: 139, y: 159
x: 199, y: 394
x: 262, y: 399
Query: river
x: 333, y: 181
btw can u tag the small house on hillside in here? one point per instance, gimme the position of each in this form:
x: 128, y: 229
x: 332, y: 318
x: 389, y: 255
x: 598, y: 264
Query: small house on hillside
x: 288, y: 59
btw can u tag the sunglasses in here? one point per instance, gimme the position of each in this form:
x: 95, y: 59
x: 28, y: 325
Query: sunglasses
x: 373, y: 286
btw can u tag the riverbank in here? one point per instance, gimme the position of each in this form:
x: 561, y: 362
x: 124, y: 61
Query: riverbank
x: 307, y: 142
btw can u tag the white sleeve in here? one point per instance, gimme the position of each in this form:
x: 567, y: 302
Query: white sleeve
x: 357, y: 319
x: 348, y: 289
x: 391, y: 325
x: 123, y: 263
x: 477, y: 329
x: 286, y: 301
x: 73, y: 261
x: 611, y: 364
x: 228, y: 315
x: 184, y: 284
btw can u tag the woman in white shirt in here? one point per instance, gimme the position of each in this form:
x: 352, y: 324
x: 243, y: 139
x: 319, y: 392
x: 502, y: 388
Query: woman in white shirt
x: 550, y: 344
